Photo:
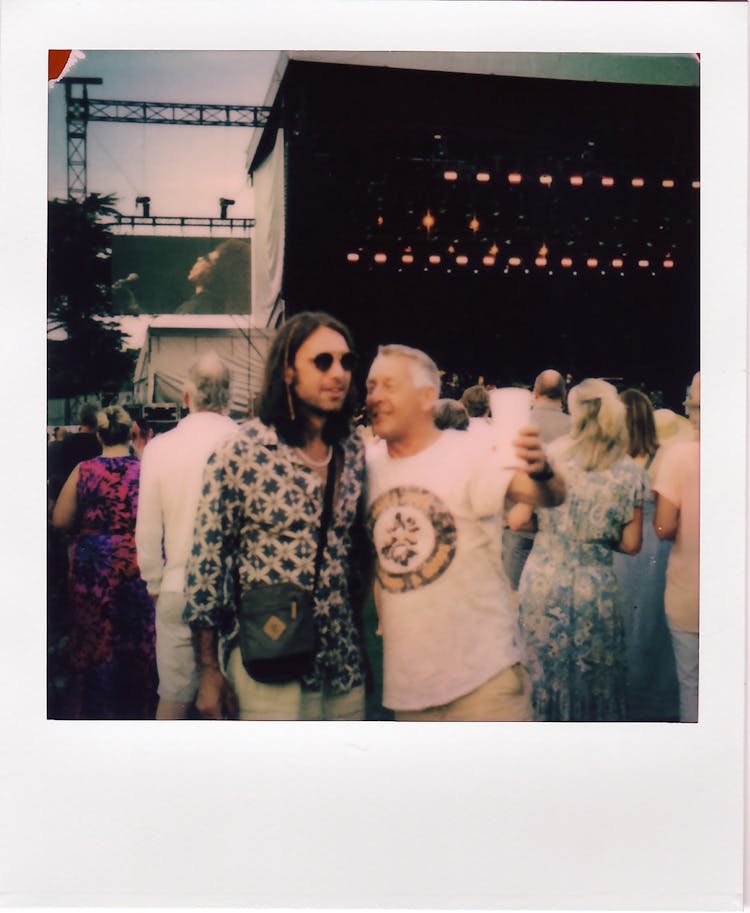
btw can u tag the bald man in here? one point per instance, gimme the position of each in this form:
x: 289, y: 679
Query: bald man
x: 548, y: 404
x: 548, y: 416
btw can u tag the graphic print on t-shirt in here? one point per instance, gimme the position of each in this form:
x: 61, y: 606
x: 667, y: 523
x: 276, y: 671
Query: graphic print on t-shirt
x: 414, y: 535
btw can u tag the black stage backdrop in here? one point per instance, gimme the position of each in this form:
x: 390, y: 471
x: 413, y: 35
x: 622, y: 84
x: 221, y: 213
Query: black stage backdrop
x: 367, y: 150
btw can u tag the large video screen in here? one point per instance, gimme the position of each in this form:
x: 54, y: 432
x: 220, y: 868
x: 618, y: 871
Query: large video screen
x: 176, y: 275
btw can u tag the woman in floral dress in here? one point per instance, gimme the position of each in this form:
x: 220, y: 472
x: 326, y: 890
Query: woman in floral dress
x: 112, y: 639
x: 569, y: 607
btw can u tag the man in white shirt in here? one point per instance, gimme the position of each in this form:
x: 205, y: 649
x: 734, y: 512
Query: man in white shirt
x: 449, y: 627
x: 172, y: 468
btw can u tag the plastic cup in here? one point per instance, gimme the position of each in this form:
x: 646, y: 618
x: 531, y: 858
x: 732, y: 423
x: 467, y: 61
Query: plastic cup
x: 511, y: 411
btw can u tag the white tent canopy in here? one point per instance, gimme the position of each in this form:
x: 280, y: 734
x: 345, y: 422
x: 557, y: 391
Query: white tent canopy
x: 174, y: 340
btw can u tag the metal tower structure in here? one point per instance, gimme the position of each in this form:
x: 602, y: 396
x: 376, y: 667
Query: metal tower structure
x: 80, y: 110
x: 76, y: 118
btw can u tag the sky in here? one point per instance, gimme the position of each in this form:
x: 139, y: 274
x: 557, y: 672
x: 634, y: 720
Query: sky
x: 185, y: 170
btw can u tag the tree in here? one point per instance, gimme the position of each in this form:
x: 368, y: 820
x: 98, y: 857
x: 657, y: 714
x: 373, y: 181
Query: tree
x: 84, y: 353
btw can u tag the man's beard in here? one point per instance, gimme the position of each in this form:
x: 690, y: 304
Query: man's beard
x: 317, y: 411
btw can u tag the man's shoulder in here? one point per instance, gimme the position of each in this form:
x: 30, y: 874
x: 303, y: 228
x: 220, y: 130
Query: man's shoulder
x: 678, y: 456
x: 250, y: 435
x: 375, y: 452
x: 551, y: 421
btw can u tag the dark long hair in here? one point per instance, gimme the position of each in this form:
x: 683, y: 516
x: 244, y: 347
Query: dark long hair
x: 274, y: 406
x: 229, y: 277
x: 640, y: 421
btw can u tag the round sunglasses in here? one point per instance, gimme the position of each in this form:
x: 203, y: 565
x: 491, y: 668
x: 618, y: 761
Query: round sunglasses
x: 324, y: 360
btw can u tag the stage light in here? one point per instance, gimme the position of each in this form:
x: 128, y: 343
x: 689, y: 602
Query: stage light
x: 482, y: 177
x: 608, y: 182
x: 488, y: 260
x: 380, y: 220
x: 637, y: 182
x: 576, y: 180
x: 494, y: 250
x: 514, y: 261
x: 434, y: 258
x: 462, y: 259
x: 541, y: 261
x: 667, y: 183
x: 450, y: 175
x: 514, y: 178
x: 352, y: 258
x: 643, y: 264
x: 545, y: 179
x: 566, y: 262
x: 224, y: 204
x: 695, y: 185
x: 474, y: 225
x: 543, y: 250
x: 428, y: 221
x: 407, y: 258
x: 380, y: 258
x: 617, y: 263
x: 451, y: 249
x: 668, y: 264
x: 592, y: 262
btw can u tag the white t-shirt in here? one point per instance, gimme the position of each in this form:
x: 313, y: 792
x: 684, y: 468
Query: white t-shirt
x: 446, y: 613
x: 678, y: 480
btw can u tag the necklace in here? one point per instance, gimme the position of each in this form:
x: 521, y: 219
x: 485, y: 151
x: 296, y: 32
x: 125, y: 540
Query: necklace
x: 316, y: 463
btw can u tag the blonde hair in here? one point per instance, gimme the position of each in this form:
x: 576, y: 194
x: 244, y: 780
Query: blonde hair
x: 113, y: 425
x: 599, y: 436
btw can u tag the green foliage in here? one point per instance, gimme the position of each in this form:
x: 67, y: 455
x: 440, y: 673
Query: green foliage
x: 79, y: 291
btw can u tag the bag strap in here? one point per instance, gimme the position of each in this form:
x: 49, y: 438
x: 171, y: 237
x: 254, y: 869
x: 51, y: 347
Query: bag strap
x: 325, y: 517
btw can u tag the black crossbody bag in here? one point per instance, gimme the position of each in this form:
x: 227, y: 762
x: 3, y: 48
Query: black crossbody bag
x: 277, y: 632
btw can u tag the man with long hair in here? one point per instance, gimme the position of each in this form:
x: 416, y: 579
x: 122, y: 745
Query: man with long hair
x: 259, y: 524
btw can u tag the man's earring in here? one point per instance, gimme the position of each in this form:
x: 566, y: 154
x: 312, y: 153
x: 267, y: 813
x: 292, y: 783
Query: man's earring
x: 290, y: 404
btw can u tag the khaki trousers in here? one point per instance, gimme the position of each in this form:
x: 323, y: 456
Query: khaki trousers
x: 288, y: 701
x: 506, y: 697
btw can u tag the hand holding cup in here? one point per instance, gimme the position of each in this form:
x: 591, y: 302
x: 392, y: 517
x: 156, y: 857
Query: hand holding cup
x: 529, y: 450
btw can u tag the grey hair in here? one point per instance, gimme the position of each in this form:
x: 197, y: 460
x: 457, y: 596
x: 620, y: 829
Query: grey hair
x: 450, y: 413
x: 424, y: 371
x: 207, y: 383
x: 599, y: 436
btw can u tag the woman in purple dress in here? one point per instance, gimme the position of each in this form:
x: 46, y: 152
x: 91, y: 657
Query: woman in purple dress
x: 112, y: 637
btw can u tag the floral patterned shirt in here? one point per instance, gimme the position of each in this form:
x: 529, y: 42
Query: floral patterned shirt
x: 257, y: 522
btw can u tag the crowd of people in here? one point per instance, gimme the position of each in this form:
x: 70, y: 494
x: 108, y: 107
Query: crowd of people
x: 224, y: 571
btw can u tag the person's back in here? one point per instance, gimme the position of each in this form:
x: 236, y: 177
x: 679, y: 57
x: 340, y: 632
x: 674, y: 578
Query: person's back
x: 551, y: 421
x: 172, y: 468
x: 572, y: 627
x: 108, y: 496
x: 175, y: 462
x: 75, y: 448
x: 547, y: 406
